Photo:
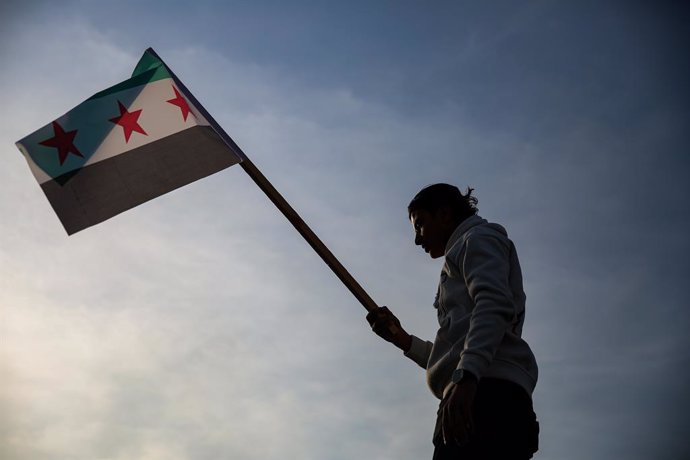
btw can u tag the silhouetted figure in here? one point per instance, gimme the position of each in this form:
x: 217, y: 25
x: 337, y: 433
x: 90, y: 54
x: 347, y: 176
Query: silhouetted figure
x: 479, y: 366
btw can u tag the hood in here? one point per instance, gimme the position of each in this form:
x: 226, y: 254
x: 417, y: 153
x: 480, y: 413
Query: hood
x: 468, y: 224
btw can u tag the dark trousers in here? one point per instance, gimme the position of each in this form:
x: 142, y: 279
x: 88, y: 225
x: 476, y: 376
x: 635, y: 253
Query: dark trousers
x: 505, y: 426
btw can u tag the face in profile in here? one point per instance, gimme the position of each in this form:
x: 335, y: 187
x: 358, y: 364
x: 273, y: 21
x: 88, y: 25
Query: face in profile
x: 432, y: 230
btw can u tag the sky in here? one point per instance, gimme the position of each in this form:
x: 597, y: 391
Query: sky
x: 201, y: 326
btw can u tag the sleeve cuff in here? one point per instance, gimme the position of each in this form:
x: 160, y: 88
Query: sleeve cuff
x: 472, y: 364
x: 419, y: 351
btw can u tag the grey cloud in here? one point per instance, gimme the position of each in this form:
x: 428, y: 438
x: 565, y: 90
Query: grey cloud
x: 200, y: 324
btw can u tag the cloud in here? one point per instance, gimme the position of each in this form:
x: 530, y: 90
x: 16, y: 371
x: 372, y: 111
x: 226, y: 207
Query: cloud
x: 200, y: 325
x: 148, y: 338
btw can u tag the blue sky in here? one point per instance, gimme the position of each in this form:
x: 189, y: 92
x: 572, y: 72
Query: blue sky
x: 201, y: 326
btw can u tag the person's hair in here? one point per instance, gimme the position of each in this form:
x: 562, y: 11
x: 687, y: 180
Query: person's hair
x: 433, y: 197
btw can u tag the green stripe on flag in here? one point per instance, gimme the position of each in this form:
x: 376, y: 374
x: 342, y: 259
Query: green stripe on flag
x: 89, y: 122
x: 147, y: 62
x: 148, y: 69
x: 154, y: 74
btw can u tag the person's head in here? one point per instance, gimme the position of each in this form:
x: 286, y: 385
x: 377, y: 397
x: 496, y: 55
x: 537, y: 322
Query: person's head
x: 435, y: 212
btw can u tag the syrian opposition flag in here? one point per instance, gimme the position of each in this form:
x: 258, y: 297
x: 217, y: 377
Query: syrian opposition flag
x: 126, y: 145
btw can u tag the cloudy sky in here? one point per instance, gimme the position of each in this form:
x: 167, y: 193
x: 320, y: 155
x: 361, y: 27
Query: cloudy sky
x: 201, y: 326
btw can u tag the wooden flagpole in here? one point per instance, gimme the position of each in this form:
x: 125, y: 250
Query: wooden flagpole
x: 280, y: 202
x: 307, y: 233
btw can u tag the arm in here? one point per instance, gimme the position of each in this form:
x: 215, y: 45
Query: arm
x: 387, y: 326
x: 486, y: 267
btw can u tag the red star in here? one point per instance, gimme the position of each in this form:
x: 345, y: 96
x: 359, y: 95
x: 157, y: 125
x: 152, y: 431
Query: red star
x: 128, y: 121
x: 63, y: 141
x: 181, y: 102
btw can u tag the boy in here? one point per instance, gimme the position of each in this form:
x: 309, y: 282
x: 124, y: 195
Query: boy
x: 478, y: 366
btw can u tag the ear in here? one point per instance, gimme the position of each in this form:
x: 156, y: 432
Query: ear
x: 445, y: 214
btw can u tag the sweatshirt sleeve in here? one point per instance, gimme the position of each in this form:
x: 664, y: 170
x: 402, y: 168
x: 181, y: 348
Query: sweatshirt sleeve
x: 486, y: 267
x: 419, y: 351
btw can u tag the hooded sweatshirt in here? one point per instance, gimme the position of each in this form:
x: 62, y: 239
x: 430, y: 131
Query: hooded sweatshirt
x: 480, y: 305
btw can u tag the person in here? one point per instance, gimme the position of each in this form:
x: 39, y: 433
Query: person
x: 479, y: 366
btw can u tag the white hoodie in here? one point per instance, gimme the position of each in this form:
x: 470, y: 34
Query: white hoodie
x: 481, y: 309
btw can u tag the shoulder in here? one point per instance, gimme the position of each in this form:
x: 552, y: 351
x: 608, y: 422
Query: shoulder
x: 487, y: 238
x: 487, y: 230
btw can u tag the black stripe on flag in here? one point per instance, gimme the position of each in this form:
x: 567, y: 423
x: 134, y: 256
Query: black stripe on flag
x: 102, y: 190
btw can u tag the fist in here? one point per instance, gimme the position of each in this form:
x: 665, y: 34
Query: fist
x: 385, y: 324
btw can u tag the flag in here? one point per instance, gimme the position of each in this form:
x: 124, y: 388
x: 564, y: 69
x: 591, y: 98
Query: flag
x: 125, y: 145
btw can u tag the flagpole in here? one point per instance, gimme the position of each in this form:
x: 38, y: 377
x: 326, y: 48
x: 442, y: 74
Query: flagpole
x: 307, y: 233
x: 280, y: 202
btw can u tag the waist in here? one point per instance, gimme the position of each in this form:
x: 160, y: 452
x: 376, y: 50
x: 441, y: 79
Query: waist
x: 512, y: 390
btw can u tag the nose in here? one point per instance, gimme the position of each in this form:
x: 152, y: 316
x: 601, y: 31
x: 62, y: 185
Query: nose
x: 417, y: 239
